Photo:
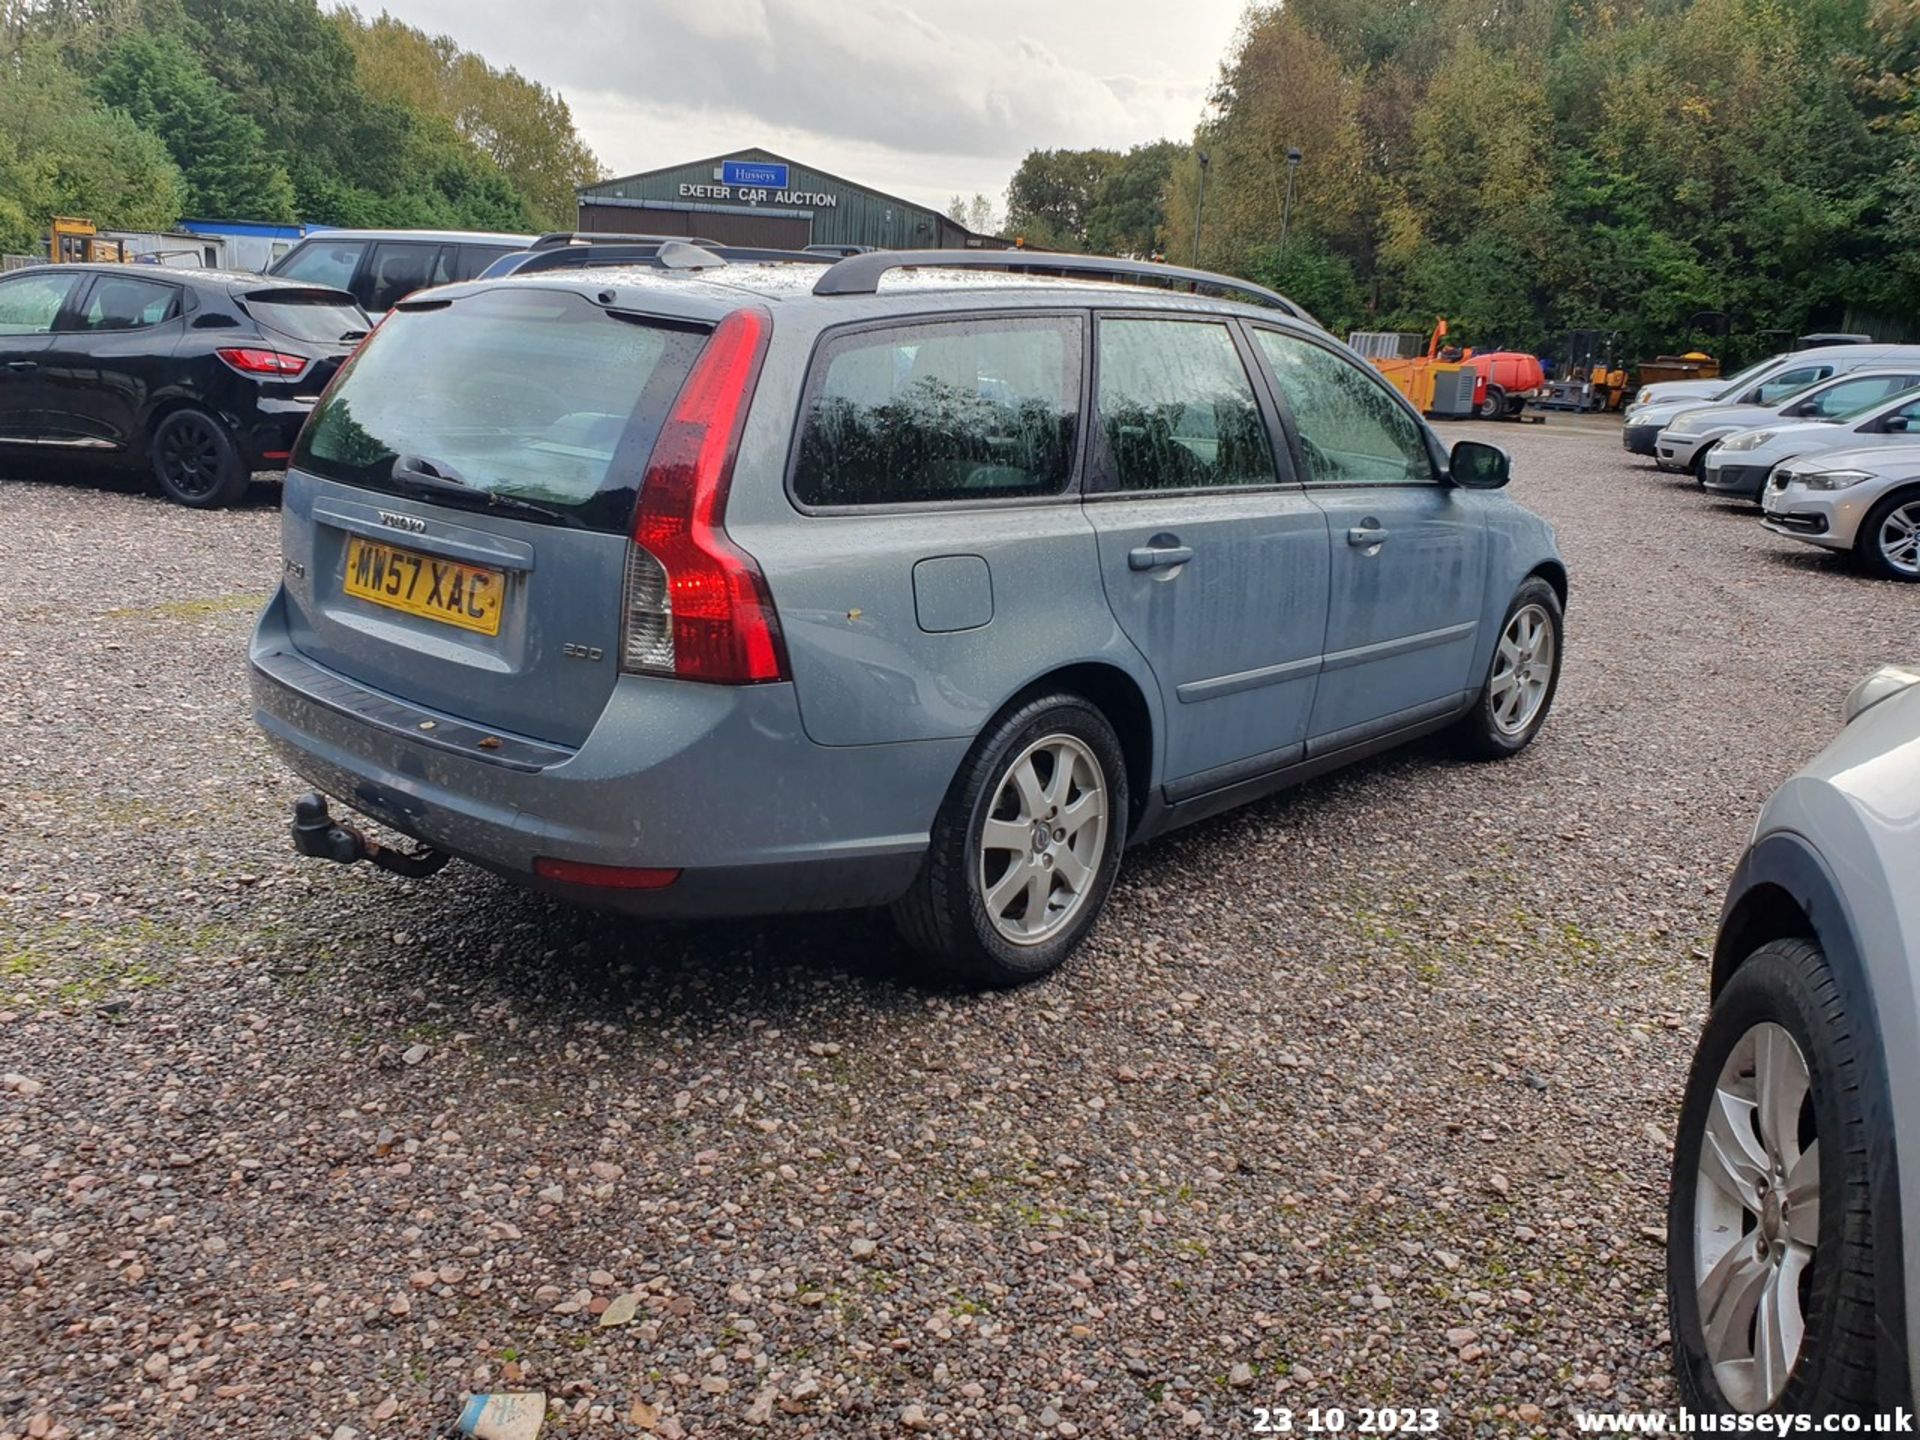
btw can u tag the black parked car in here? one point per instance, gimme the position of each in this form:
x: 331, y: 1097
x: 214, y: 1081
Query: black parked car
x: 380, y: 268
x: 201, y: 375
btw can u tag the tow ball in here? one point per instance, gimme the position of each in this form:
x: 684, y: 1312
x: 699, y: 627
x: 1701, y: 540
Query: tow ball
x: 318, y: 834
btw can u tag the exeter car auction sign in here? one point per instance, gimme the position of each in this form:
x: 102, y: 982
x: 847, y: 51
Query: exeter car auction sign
x: 756, y: 182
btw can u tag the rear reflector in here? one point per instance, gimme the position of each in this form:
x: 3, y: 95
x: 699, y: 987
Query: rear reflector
x: 264, y: 362
x: 697, y: 606
x: 606, y: 877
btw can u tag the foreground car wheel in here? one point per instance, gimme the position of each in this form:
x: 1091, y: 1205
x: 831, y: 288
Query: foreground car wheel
x: 1889, y: 541
x: 1513, y: 704
x: 1025, y: 847
x: 1769, y: 1251
x: 195, y: 461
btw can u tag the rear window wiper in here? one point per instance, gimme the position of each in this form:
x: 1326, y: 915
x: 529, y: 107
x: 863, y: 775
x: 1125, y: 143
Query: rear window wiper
x: 436, y: 478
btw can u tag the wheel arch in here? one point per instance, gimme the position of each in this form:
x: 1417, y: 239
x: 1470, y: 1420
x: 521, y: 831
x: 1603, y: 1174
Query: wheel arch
x: 1121, y: 699
x: 170, y: 405
x: 1784, y: 890
x: 1554, y: 573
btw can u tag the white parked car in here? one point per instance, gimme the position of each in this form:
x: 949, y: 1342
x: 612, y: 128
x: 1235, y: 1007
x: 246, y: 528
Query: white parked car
x: 1866, y: 501
x: 1741, y: 463
x: 1684, y: 444
x: 1793, y: 1257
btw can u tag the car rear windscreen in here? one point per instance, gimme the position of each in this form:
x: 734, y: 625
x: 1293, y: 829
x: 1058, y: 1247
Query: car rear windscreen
x: 534, y: 401
x: 324, y: 317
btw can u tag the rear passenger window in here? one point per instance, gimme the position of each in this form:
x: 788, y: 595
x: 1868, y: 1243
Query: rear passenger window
x: 963, y: 410
x: 120, y: 303
x: 401, y: 268
x: 1176, y: 408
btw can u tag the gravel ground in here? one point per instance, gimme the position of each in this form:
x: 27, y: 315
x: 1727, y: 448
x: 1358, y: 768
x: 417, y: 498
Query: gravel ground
x: 1360, y: 1096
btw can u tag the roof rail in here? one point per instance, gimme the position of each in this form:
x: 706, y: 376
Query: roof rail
x: 607, y: 237
x: 860, y: 274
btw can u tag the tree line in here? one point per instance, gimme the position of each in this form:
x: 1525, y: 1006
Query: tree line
x: 137, y: 113
x: 1679, y: 171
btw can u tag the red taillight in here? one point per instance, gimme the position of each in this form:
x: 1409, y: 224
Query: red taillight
x: 265, y: 362
x: 697, y: 605
x: 606, y: 877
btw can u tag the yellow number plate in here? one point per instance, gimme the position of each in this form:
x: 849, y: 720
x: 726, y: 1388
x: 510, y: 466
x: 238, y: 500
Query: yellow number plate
x: 444, y: 590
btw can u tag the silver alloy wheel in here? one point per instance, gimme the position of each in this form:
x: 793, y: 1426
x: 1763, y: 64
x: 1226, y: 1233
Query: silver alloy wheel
x: 1899, y: 538
x: 1522, y: 669
x: 1756, y: 1217
x: 1043, y: 840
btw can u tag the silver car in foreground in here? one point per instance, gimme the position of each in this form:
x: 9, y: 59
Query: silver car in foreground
x: 1790, y: 1263
x: 1866, y: 501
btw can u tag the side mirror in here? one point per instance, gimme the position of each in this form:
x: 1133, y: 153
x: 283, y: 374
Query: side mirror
x: 1895, y: 424
x: 1476, y: 465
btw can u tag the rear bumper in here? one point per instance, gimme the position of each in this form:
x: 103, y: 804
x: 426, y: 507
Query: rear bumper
x: 720, y: 783
x: 1640, y: 439
x: 266, y: 436
x: 1745, y: 480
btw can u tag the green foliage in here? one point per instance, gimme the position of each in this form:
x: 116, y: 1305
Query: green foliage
x: 1314, y: 274
x: 63, y: 153
x: 1053, y: 193
x: 133, y: 112
x: 1128, y: 211
x: 1551, y: 164
x: 159, y: 85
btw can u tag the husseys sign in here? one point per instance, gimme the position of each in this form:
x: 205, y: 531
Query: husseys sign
x: 757, y: 182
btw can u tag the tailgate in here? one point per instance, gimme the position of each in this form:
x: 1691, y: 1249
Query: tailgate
x: 458, y: 510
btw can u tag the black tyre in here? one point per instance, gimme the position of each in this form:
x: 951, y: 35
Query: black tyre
x: 1770, y: 1242
x: 1521, y: 679
x: 1700, y: 466
x: 1493, y: 404
x: 196, y: 462
x: 1888, y: 544
x: 1025, y: 847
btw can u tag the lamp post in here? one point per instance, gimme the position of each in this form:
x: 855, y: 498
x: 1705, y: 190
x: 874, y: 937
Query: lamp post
x: 1199, y: 206
x: 1286, y: 208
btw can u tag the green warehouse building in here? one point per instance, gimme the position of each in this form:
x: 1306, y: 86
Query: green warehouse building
x: 754, y: 197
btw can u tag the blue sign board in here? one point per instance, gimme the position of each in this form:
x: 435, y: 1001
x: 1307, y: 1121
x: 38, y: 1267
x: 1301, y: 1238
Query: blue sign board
x: 753, y: 172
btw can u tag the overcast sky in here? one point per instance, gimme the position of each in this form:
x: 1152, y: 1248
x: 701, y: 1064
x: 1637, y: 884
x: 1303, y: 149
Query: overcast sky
x: 923, y: 98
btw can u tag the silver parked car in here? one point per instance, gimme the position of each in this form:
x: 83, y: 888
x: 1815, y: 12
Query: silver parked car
x: 1741, y: 463
x: 1684, y: 443
x: 1765, y: 384
x: 723, y: 588
x: 1866, y: 501
x: 1793, y: 1253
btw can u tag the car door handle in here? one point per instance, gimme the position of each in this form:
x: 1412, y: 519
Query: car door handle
x: 21, y: 367
x: 1158, y: 556
x: 1367, y: 534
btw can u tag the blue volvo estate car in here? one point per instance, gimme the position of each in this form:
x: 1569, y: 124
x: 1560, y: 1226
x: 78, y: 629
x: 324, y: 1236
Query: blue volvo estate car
x: 930, y: 580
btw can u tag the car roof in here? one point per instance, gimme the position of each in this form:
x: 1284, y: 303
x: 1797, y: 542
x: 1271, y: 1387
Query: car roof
x: 711, y: 292
x: 192, y: 276
x: 483, y: 237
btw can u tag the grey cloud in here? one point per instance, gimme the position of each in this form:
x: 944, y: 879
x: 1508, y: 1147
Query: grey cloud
x: 863, y: 69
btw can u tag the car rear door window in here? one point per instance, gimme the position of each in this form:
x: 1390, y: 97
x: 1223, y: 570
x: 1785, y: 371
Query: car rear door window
x: 1351, y: 427
x: 29, y: 304
x: 955, y: 410
x: 1177, y: 408
x: 1849, y: 395
x: 119, y: 302
x: 324, y: 262
x: 399, y: 268
x: 1778, y: 387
